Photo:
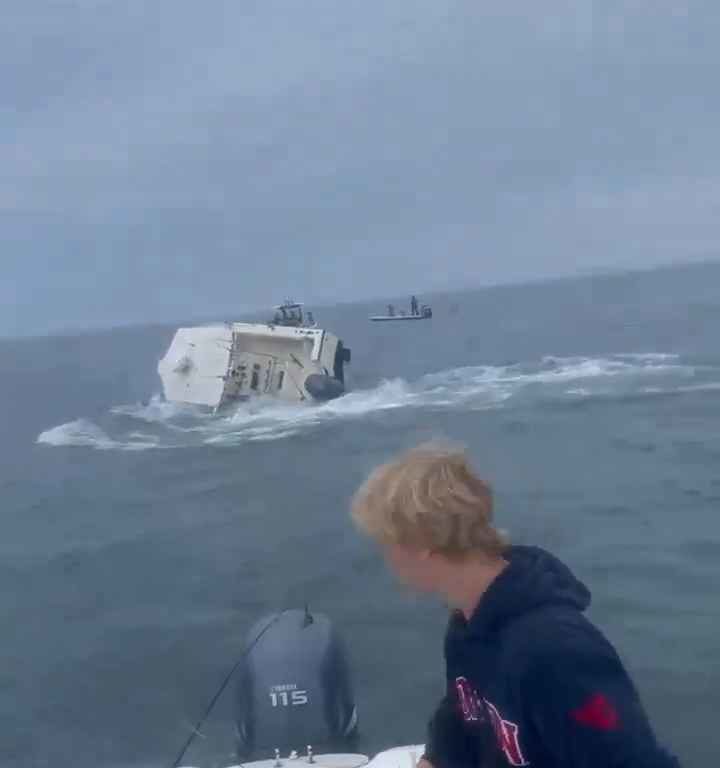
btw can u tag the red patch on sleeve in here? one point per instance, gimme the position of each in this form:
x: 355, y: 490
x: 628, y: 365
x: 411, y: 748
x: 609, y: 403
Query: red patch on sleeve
x: 597, y: 712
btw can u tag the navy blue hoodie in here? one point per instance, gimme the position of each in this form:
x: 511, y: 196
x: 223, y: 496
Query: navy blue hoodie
x: 531, y: 682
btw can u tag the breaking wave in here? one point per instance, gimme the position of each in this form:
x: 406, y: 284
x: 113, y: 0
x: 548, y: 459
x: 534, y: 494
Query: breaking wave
x: 158, y: 424
x: 85, y: 433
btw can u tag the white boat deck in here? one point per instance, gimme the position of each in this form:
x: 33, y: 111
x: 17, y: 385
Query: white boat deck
x: 397, y: 757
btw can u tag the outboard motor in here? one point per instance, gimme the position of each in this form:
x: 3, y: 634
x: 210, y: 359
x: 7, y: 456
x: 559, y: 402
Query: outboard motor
x: 294, y: 688
x: 322, y: 387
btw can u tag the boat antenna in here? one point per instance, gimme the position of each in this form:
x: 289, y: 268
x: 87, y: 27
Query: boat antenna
x: 308, y: 617
x: 220, y: 690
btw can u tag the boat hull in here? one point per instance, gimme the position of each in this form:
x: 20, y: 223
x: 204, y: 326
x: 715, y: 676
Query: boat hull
x: 219, y: 365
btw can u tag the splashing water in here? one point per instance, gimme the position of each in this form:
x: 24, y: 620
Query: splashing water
x: 172, y: 425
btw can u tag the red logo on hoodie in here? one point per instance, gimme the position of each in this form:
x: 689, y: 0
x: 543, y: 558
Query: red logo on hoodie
x: 597, y: 712
x: 507, y: 733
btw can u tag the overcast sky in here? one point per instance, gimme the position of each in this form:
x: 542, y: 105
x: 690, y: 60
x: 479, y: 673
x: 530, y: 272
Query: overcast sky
x: 164, y: 159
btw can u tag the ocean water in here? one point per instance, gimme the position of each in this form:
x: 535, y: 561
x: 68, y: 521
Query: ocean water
x: 140, y: 539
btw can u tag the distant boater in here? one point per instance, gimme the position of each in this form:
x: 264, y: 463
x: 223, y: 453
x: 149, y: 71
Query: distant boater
x: 416, y: 312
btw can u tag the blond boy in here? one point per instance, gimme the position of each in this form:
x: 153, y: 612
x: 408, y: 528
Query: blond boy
x: 530, y: 681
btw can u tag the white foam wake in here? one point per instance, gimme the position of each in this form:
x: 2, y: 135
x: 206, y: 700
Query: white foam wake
x: 85, y: 433
x: 468, y: 388
x: 155, y: 411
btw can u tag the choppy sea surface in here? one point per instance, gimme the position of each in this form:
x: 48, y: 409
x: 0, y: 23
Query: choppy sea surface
x: 140, y: 539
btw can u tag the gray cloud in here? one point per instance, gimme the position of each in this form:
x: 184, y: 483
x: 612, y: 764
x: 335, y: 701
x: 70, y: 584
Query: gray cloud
x: 168, y: 159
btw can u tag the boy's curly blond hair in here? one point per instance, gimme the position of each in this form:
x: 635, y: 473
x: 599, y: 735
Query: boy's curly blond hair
x: 429, y: 498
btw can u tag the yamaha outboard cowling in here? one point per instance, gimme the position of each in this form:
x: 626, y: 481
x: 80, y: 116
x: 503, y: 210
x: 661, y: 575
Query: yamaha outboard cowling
x: 294, y: 688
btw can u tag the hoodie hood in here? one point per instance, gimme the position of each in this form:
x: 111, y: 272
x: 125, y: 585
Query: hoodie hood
x: 533, y: 579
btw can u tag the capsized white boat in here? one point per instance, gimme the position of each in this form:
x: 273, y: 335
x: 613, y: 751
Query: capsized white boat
x: 288, y: 357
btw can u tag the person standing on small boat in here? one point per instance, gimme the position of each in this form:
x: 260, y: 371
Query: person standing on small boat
x: 530, y: 681
x: 413, y: 306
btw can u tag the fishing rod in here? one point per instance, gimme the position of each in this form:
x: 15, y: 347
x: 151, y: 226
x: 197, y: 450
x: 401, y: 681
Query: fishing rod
x: 221, y: 689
